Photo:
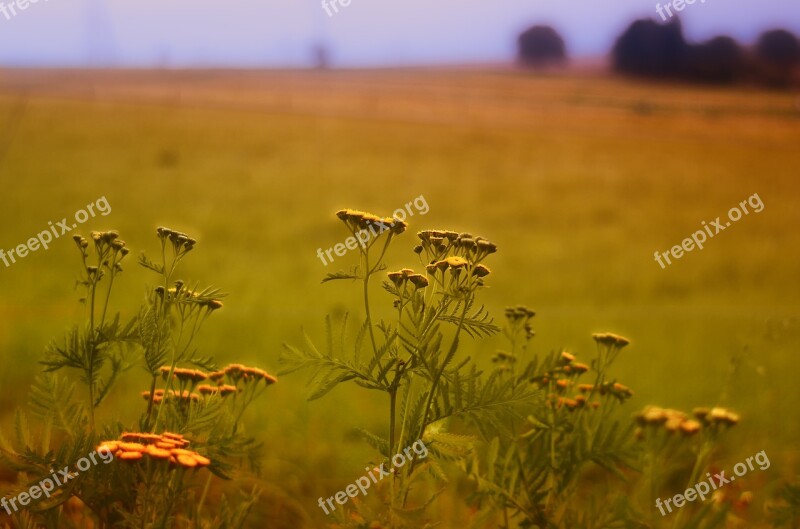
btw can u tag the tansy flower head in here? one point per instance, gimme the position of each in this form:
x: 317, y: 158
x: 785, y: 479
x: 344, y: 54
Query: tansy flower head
x: 651, y: 415
x: 690, y: 427
x: 157, y: 453
x: 398, y: 226
x: 132, y: 447
x: 722, y: 416
x: 611, y: 339
x: 418, y: 280
x: 456, y: 262
x: 216, y: 376
x: 205, y: 389
x: 520, y: 312
x: 481, y: 271
x: 227, y: 389
x: 108, y: 447
x: 186, y: 461
x: 579, y: 367
x: 189, y: 375
x: 621, y: 390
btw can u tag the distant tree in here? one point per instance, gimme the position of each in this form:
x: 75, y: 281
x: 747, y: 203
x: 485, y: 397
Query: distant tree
x: 720, y: 60
x: 541, y: 46
x: 777, y: 57
x: 321, y: 57
x: 779, y: 47
x: 651, y: 49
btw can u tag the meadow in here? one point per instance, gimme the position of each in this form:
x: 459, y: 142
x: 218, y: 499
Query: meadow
x: 577, y: 177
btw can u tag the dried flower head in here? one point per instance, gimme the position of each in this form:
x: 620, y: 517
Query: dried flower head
x: 722, y: 416
x: 578, y: 367
x: 610, y: 339
x: 690, y: 427
x: 418, y: 280
x: 652, y: 415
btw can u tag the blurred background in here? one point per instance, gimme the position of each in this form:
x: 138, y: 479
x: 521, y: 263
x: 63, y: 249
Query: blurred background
x: 579, y: 138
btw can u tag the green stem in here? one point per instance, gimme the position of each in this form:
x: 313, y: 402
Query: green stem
x: 366, y: 306
x: 434, y: 386
x: 203, y: 497
x: 92, y: 350
x: 699, y: 463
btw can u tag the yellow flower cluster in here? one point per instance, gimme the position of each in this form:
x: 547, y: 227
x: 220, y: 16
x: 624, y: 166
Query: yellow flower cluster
x: 438, y: 244
x: 189, y: 379
x: 238, y: 372
x: 564, y: 376
x: 677, y: 421
x: 166, y: 447
x: 406, y: 275
x: 610, y: 339
x: 360, y: 220
x: 183, y: 396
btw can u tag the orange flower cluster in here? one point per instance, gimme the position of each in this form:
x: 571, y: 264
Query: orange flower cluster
x: 189, y: 378
x: 238, y: 372
x: 223, y: 390
x: 184, y: 375
x: 677, y: 421
x: 359, y: 220
x: 171, y: 447
x: 183, y: 396
x: 610, y: 339
x: 564, y: 376
x: 716, y: 416
x: 405, y: 275
x: 572, y: 404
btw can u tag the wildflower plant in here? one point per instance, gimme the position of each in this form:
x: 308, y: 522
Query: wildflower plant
x: 191, y: 425
x: 546, y: 439
x: 412, y: 359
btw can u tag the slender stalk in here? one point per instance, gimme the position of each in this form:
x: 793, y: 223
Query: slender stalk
x: 366, y: 305
x: 434, y: 386
x: 203, y: 497
x: 150, y: 400
x: 108, y: 295
x: 92, y: 350
x: 699, y: 463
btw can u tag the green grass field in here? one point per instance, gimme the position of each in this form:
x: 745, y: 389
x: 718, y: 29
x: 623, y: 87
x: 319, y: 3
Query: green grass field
x: 578, y: 179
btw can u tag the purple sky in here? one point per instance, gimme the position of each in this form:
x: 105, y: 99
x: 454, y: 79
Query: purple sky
x: 366, y: 33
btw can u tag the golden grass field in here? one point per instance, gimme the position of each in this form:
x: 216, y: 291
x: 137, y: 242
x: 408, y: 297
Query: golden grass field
x: 578, y: 178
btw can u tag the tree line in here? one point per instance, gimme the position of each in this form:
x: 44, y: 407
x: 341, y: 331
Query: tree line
x: 650, y: 49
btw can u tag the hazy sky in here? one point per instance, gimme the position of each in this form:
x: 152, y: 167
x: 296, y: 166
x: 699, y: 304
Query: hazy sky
x: 367, y: 32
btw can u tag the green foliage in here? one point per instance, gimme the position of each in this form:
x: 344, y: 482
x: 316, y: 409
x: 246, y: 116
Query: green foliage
x: 787, y: 511
x: 431, y: 391
x: 142, y: 485
x: 544, y: 439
